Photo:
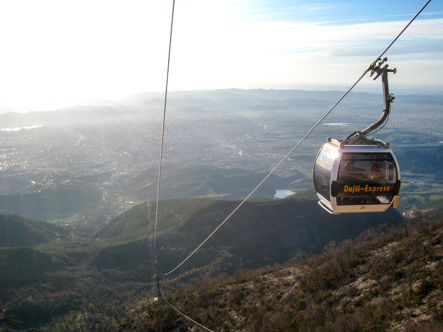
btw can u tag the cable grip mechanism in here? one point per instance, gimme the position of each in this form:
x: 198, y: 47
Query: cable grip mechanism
x: 380, y: 70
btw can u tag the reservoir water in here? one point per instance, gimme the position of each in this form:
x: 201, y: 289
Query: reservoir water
x: 282, y: 193
x: 343, y: 124
x: 19, y: 128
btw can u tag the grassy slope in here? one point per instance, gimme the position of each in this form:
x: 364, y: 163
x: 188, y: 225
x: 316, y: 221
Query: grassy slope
x: 199, y: 215
x: 260, y: 232
x: 16, y: 231
x: 433, y: 207
x: 263, y: 232
x: 50, y: 203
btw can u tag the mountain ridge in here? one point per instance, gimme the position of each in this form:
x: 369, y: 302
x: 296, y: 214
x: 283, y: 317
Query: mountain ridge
x: 16, y: 231
x: 387, y: 279
x: 259, y: 233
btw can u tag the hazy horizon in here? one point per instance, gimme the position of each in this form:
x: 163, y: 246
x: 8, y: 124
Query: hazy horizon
x: 57, y: 54
x: 55, y: 105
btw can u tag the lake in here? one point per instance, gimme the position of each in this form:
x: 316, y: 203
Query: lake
x: 282, y: 193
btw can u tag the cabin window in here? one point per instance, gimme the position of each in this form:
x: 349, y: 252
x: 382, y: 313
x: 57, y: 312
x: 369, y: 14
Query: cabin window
x: 322, y: 172
x: 366, y: 178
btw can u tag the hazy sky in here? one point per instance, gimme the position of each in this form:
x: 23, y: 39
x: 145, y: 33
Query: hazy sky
x: 54, y: 52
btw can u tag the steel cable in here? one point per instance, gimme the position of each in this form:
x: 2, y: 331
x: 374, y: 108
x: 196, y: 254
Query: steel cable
x: 297, y: 145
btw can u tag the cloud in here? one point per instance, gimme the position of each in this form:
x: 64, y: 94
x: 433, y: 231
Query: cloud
x: 246, y: 48
x: 106, y: 49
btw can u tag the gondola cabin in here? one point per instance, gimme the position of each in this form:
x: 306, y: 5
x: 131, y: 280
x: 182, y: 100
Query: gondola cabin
x: 360, y: 177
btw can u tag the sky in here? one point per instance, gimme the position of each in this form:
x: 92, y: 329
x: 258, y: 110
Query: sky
x: 57, y: 53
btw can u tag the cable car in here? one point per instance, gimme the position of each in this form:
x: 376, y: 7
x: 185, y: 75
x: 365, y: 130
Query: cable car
x: 359, y: 174
x: 356, y: 177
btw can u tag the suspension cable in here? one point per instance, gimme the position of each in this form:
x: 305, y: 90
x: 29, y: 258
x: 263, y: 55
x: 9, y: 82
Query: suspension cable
x: 163, y: 127
x: 398, y: 36
x: 296, y: 146
x: 160, y: 293
x: 267, y: 176
x: 258, y: 186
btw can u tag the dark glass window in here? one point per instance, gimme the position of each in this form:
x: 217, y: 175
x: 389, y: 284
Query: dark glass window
x: 322, y: 172
x: 366, y: 178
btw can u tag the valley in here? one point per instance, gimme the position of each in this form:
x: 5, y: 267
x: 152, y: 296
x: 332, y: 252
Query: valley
x: 78, y: 189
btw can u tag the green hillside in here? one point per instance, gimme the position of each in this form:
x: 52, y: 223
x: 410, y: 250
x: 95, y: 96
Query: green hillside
x: 433, y: 208
x: 57, y: 203
x: 10, y: 185
x: 138, y: 222
x: 259, y: 233
x: 93, y: 281
x: 427, y: 160
x: 26, y: 265
x: 16, y: 231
